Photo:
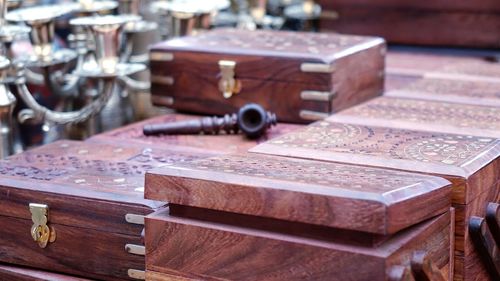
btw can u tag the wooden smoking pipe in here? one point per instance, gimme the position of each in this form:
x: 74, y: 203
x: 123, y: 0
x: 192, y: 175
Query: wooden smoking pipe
x: 251, y: 119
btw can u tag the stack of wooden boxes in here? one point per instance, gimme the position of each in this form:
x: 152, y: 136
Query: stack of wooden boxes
x: 275, y: 217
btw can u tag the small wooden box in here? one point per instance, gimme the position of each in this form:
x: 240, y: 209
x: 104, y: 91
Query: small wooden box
x: 471, y: 163
x: 253, y: 217
x: 299, y: 76
x: 437, y: 23
x: 444, y: 75
x: 91, y: 195
x: 425, y: 115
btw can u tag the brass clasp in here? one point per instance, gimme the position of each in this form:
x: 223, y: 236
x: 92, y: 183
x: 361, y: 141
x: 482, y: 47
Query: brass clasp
x: 41, y: 232
x: 228, y: 85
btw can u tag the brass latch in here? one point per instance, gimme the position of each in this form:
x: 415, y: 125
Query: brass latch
x: 40, y: 231
x: 228, y: 85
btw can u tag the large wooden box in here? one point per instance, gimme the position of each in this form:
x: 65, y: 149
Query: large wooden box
x: 90, y: 197
x: 471, y: 163
x: 425, y: 115
x: 299, y: 76
x: 443, y: 74
x: 15, y: 273
x: 252, y: 217
x: 438, y: 23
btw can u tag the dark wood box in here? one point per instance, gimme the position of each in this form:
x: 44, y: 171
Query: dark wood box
x: 299, y: 76
x: 15, y: 273
x: 437, y: 23
x: 471, y: 163
x: 253, y: 217
x: 94, y: 196
x: 425, y: 115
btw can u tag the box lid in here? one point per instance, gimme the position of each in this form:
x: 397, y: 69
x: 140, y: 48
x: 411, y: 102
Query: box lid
x: 261, y: 54
x: 342, y: 196
x: 431, y: 116
x: 90, y: 184
x: 472, y: 92
x: 463, y: 159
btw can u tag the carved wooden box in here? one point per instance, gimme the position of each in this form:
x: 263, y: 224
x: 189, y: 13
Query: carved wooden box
x: 471, y: 163
x: 78, y: 208
x: 254, y: 217
x: 425, y: 115
x: 450, y: 75
x: 299, y: 76
x: 438, y: 23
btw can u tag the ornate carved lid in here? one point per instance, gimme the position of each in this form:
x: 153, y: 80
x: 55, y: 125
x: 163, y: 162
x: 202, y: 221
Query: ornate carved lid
x: 329, y: 194
x: 268, y: 55
x: 432, y: 116
x: 459, y: 158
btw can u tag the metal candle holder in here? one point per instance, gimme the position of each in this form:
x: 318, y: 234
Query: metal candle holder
x: 99, y: 67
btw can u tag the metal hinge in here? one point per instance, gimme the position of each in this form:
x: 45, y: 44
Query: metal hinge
x: 160, y: 56
x: 135, y: 249
x: 228, y: 85
x: 137, y: 274
x: 134, y: 219
x: 317, y: 95
x: 313, y: 115
x: 317, y: 67
x: 165, y: 80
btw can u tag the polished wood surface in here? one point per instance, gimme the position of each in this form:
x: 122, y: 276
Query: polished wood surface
x: 327, y: 194
x: 14, y: 273
x: 460, y: 158
x: 269, y: 69
x: 433, y: 23
x: 431, y: 116
x: 201, y: 249
x: 77, y: 251
x: 470, y: 163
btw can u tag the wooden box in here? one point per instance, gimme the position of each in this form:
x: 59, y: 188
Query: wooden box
x: 443, y: 74
x: 425, y: 115
x: 89, y: 201
x: 471, y: 163
x: 299, y: 76
x: 459, y: 90
x: 438, y: 23
x: 255, y: 217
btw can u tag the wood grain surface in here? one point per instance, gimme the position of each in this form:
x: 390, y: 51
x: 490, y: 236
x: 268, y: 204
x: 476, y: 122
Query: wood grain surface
x: 197, y: 249
x: 326, y: 194
x: 15, y: 273
x: 432, y: 5
x: 426, y: 152
x: 431, y: 116
x: 448, y: 27
x: 204, y: 144
x: 439, y: 62
x: 471, y: 163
